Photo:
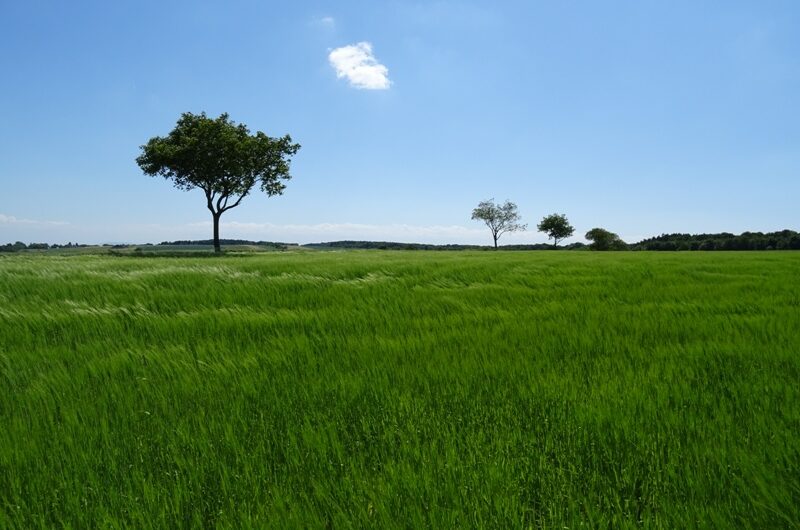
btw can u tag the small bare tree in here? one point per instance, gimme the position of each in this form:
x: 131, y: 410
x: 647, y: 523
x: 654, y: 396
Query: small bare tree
x: 499, y: 218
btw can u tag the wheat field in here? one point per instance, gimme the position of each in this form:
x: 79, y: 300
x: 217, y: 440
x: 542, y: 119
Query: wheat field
x: 369, y: 389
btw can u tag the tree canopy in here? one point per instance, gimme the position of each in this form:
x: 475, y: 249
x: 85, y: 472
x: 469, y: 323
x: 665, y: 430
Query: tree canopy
x: 602, y: 239
x: 221, y: 158
x: 500, y: 218
x: 780, y: 240
x: 557, y: 227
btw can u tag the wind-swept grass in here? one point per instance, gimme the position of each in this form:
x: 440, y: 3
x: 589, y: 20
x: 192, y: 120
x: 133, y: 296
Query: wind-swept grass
x: 394, y: 389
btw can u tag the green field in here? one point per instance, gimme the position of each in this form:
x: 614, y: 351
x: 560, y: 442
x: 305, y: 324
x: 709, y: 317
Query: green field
x: 400, y: 389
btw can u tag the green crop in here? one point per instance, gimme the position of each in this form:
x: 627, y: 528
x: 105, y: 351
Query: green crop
x: 400, y: 389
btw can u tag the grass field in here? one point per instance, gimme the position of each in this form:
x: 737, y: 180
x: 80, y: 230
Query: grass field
x: 401, y: 389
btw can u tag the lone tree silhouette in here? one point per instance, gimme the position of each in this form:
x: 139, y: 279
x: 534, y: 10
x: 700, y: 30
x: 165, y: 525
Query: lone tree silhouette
x: 499, y: 218
x: 221, y: 158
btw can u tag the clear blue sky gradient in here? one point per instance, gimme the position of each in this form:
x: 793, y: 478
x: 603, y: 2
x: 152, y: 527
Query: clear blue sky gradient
x: 639, y: 116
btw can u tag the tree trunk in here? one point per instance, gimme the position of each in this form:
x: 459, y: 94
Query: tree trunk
x: 495, y: 242
x: 217, y: 248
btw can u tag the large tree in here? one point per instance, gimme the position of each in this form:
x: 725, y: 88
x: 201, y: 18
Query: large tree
x: 557, y: 227
x: 500, y: 218
x: 221, y: 158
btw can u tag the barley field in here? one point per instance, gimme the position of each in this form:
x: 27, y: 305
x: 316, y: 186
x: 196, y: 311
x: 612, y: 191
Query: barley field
x: 369, y: 389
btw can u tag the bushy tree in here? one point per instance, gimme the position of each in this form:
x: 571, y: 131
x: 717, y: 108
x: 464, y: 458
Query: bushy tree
x: 557, y: 227
x: 500, y: 218
x: 604, y: 240
x: 221, y: 158
x: 13, y: 247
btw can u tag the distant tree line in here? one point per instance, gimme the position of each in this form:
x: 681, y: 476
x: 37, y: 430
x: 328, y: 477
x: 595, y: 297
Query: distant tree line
x: 209, y: 242
x: 600, y: 240
x: 783, y: 240
x: 391, y: 245
x: 19, y: 245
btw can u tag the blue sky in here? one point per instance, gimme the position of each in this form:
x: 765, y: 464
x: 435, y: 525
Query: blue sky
x: 639, y: 116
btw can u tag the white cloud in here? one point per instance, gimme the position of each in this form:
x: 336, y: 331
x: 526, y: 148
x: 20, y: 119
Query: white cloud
x: 11, y: 220
x: 359, y: 66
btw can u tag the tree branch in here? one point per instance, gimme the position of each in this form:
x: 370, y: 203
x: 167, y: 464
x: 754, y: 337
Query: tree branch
x: 209, y: 199
x: 234, y: 205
